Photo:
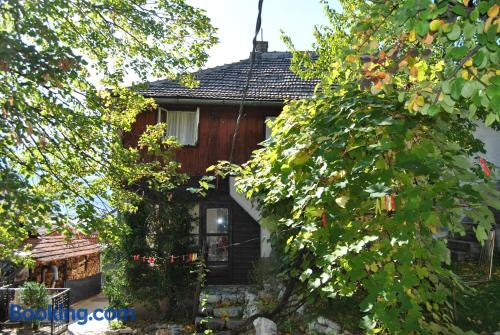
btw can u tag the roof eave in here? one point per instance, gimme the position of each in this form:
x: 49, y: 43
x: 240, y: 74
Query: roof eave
x: 230, y: 102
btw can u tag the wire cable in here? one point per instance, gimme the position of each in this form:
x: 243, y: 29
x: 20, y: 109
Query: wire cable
x: 244, y: 92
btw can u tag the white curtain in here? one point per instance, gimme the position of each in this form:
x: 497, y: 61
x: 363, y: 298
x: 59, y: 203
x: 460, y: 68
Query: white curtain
x: 182, y: 125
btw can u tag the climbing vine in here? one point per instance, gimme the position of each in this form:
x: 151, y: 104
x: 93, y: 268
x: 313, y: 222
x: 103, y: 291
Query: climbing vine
x: 159, y: 229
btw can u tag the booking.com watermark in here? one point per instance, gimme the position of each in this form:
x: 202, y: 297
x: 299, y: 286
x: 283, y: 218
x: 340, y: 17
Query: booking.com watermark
x: 81, y: 315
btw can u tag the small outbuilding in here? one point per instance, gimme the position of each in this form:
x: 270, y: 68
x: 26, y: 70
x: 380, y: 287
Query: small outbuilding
x: 71, y: 262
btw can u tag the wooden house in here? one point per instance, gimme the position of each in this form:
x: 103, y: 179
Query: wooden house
x: 203, y: 119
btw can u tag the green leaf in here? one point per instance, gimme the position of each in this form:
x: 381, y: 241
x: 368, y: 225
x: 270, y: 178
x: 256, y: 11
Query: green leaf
x: 377, y: 190
x: 455, y: 32
x: 495, y: 103
x: 472, y: 111
x: 480, y: 59
x: 456, y: 88
x: 492, y: 91
x: 458, y: 53
x: 459, y: 10
x: 474, y: 15
x: 446, y: 87
x: 468, y: 89
x: 422, y: 28
x: 469, y: 30
x: 433, y: 110
x: 490, y: 119
x: 495, y: 80
x: 491, y: 35
x: 449, y: 101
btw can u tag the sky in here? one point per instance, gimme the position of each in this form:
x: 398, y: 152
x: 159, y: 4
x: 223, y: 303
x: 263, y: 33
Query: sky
x: 235, y: 20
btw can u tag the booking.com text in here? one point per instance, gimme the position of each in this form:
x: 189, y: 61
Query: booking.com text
x: 80, y: 315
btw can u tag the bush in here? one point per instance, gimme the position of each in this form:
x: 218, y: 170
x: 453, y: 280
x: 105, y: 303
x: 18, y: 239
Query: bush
x: 116, y: 324
x: 265, y: 271
x: 34, y: 296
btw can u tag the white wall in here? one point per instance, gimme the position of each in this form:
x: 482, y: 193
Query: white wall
x: 491, y: 139
x: 265, y: 246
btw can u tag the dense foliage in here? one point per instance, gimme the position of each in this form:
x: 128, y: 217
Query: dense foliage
x: 62, y: 163
x: 35, y: 296
x: 160, y: 228
x: 359, y: 181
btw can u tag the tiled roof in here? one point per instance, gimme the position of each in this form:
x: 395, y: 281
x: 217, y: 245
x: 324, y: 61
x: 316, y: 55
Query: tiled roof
x: 271, y: 81
x: 55, y: 247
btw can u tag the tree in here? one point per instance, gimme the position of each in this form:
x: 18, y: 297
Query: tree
x: 357, y: 181
x: 63, y: 65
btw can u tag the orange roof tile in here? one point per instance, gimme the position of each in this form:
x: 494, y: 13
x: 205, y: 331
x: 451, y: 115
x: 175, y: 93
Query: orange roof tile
x: 55, y: 247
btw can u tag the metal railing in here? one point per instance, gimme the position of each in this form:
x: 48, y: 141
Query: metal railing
x: 59, y: 305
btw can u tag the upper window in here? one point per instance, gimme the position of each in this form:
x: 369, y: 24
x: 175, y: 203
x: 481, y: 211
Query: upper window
x: 268, y: 130
x: 183, y: 125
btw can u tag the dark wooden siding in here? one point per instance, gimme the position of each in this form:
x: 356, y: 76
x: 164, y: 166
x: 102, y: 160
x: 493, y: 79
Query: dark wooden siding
x: 216, y: 128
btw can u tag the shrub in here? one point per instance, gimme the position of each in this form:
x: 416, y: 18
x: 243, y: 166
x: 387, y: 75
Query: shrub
x: 265, y: 271
x: 34, y: 296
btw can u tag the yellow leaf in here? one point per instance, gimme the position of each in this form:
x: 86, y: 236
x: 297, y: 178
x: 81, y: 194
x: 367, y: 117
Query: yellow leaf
x: 374, y: 267
x: 466, y: 3
x: 420, y: 101
x: 373, y: 44
x: 465, y: 74
x: 493, y: 11
x: 413, y: 36
x: 350, y: 58
x: 435, y: 25
x: 439, y: 66
x: 488, y: 23
x: 410, y: 106
x: 468, y: 62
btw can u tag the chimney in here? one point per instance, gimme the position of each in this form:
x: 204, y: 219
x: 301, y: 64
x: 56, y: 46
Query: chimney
x: 261, y: 46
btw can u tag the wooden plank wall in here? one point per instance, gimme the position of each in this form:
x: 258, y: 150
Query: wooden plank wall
x: 216, y: 128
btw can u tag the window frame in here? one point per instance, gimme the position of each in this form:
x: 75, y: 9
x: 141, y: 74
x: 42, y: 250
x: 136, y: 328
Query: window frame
x: 225, y: 234
x: 162, y: 110
x: 203, y: 233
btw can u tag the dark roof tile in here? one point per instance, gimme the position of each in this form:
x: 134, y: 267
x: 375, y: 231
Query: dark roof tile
x: 272, y: 80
